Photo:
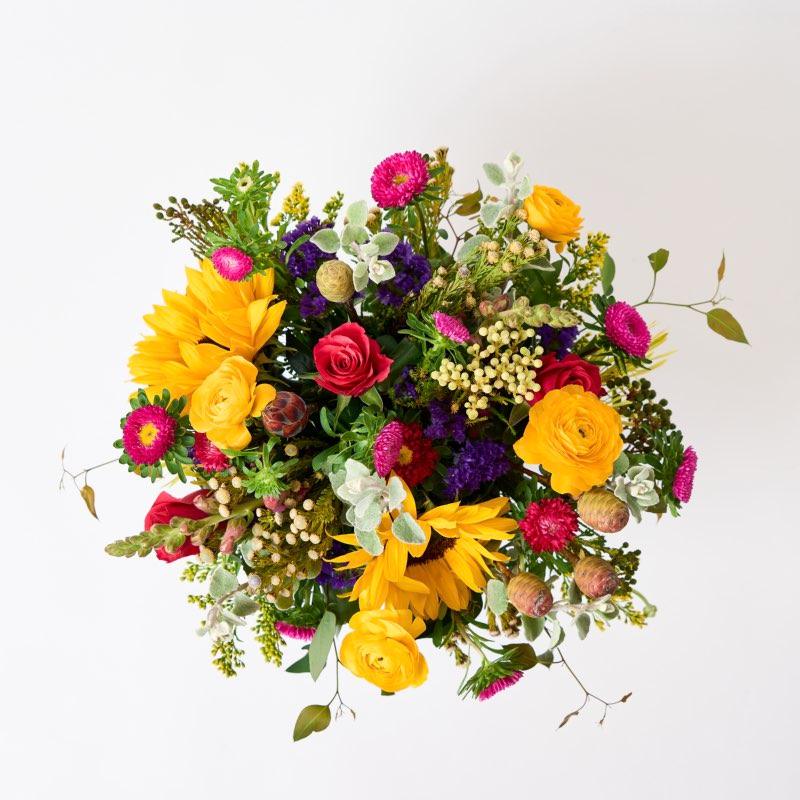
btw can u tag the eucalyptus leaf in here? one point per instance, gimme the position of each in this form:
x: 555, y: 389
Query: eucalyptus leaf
x: 658, y: 260
x: 312, y: 719
x: 222, y: 583
x: 721, y: 269
x: 244, y: 605
x: 407, y: 530
x: 583, y: 623
x: 321, y: 644
x: 522, y: 656
x: 532, y: 627
x: 494, y: 172
x: 496, y: 596
x: 469, y: 204
x: 721, y: 321
x: 300, y: 666
x: 607, y: 273
x: 326, y: 239
x: 370, y: 541
x: 621, y: 464
x: 87, y: 493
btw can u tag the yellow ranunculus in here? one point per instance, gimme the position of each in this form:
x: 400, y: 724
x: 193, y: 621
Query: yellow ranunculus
x: 553, y: 214
x: 381, y: 649
x: 574, y: 436
x: 225, y: 399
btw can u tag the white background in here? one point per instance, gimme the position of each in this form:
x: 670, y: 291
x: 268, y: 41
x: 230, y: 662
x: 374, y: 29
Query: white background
x: 673, y: 124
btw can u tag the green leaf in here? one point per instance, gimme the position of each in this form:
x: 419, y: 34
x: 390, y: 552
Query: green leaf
x: 574, y: 593
x: 607, y: 273
x: 385, y: 242
x: 494, y: 172
x: 490, y: 213
x: 326, y: 239
x: 312, y: 719
x: 299, y: 666
x: 321, y: 644
x: 621, y: 464
x: 372, y: 398
x: 357, y: 213
x: 469, y: 204
x: 658, y: 260
x: 583, y: 623
x: 468, y: 249
x: 532, y: 627
x: 370, y: 541
x: 222, y: 583
x: 518, y: 413
x: 521, y: 656
x: 725, y: 324
x: 407, y: 530
x: 244, y: 605
x: 721, y: 269
x: 496, y: 596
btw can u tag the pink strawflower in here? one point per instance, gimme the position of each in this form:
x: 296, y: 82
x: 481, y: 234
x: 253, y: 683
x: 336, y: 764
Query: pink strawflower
x: 454, y: 329
x: 499, y: 685
x: 148, y: 434
x: 300, y: 632
x: 549, y: 525
x: 231, y: 263
x: 627, y: 329
x: 208, y: 456
x: 387, y: 446
x: 683, y: 482
x: 398, y: 179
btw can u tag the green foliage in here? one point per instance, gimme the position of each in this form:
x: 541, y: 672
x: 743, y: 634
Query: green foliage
x: 263, y: 477
x: 269, y: 640
x: 227, y: 656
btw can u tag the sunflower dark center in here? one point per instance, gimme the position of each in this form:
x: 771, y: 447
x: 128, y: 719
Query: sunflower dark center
x: 437, y: 547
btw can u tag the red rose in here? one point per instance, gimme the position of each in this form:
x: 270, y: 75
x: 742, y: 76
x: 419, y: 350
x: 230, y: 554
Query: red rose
x: 572, y: 369
x: 349, y: 362
x: 163, y: 510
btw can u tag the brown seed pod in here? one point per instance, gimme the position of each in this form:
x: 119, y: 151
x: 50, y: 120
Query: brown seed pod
x: 604, y: 512
x: 529, y: 595
x: 595, y: 577
x: 335, y: 281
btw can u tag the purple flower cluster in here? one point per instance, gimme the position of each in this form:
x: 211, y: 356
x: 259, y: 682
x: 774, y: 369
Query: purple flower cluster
x: 307, y: 257
x: 411, y: 272
x: 479, y: 462
x: 444, y: 425
x: 339, y: 581
x: 312, y: 303
x: 405, y: 386
x: 559, y: 339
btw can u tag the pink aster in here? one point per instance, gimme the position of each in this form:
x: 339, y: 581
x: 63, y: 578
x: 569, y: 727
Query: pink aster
x: 208, y: 456
x: 626, y: 327
x: 231, y: 263
x: 398, y: 179
x: 683, y: 482
x: 549, y: 525
x: 299, y: 632
x: 499, y: 685
x: 387, y: 446
x: 148, y: 434
x: 454, y: 329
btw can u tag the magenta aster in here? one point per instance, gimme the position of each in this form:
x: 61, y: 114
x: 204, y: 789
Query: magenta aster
x: 499, y: 685
x: 683, y: 482
x: 627, y: 329
x: 398, y: 179
x: 231, y: 263
x: 208, y: 456
x: 549, y: 524
x: 299, y: 632
x: 148, y: 434
x: 454, y: 329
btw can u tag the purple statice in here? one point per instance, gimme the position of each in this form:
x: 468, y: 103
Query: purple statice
x: 338, y: 580
x: 312, y: 303
x: 444, y: 425
x: 411, y: 272
x: 307, y: 257
x: 405, y: 388
x: 479, y: 462
x: 559, y: 339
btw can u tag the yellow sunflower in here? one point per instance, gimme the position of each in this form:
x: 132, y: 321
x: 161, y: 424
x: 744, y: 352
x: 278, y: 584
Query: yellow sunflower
x: 193, y: 333
x: 445, y: 568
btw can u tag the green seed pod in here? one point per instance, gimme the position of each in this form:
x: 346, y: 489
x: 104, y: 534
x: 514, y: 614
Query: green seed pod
x: 603, y: 511
x: 529, y: 595
x: 595, y: 577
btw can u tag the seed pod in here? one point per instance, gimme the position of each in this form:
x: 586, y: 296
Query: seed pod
x: 603, y: 511
x: 286, y: 415
x: 529, y: 595
x: 335, y: 281
x: 595, y: 577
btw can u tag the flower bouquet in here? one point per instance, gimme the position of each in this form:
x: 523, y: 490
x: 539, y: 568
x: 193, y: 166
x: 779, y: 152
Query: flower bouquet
x: 418, y: 422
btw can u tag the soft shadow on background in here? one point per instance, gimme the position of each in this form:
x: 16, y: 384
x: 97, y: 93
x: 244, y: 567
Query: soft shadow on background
x: 673, y: 124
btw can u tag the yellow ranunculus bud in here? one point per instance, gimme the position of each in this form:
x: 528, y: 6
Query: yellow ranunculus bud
x: 574, y: 436
x: 381, y: 649
x: 225, y: 399
x: 553, y: 214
